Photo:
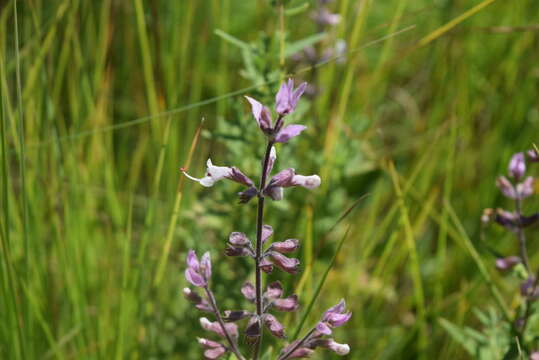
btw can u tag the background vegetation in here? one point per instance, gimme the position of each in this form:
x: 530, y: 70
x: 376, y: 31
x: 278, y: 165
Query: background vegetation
x: 99, y: 108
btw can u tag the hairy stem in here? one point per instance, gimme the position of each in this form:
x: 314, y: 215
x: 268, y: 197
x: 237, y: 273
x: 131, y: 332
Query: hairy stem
x: 231, y: 342
x: 297, y: 346
x: 258, y: 256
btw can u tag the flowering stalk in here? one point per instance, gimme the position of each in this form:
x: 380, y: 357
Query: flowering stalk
x: 520, y: 188
x: 274, y: 255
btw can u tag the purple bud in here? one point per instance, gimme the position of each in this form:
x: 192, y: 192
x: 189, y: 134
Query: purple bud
x: 274, y: 326
x: 238, y: 251
x: 507, y: 219
x: 323, y: 328
x: 533, y: 156
x: 325, y: 18
x: 287, y: 304
x: 271, y: 160
x: 249, y: 292
x: 534, y: 355
x: 288, y: 132
x: 253, y: 329
x: 529, y: 220
x: 195, y: 278
x: 340, y: 349
x: 288, y: 177
x: 214, y: 350
x: 192, y: 260
x: 274, y: 291
x: 247, y: 195
x: 525, y: 188
x: 528, y: 288
x: 517, y: 166
x: 204, y: 306
x: 336, y: 315
x: 506, y: 187
x: 205, y: 265
x: 266, y: 265
x: 216, y: 173
x: 290, y: 265
x: 507, y: 263
x: 287, y: 99
x: 238, y: 239
x: 192, y: 296
x: 235, y: 315
x: 286, y: 246
x: 231, y: 328
x: 301, y: 353
x: 267, y: 231
x: 274, y: 192
x: 262, y: 116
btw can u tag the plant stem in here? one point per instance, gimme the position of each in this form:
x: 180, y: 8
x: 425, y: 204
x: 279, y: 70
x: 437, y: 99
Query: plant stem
x: 258, y: 256
x: 213, y: 303
x: 297, y: 346
x: 521, y: 236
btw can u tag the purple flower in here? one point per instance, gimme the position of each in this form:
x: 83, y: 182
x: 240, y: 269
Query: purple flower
x: 533, y: 156
x: 325, y: 18
x: 290, y: 265
x: 248, y: 291
x: 288, y: 132
x: 287, y: 98
x: 239, y: 239
x: 262, y: 116
x: 525, y: 188
x: 288, y: 178
x: 267, y: 231
x: 231, y: 328
x: 285, y: 247
x: 274, y: 326
x: 266, y: 265
x: 198, y: 273
x: 517, y: 166
x: 235, y: 315
x: 506, y: 187
x: 200, y: 303
x: 239, y: 245
x: 253, y: 330
x: 507, y: 263
x: 287, y: 304
x: 214, y: 350
x: 534, y: 355
x: 274, y: 291
x: 216, y: 173
x: 246, y: 195
x: 339, y: 349
x: 336, y: 316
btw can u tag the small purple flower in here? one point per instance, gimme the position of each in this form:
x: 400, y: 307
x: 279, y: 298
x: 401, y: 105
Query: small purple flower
x: 517, y: 166
x: 246, y: 195
x: 336, y: 316
x: 324, y: 18
x: 248, y: 291
x: 534, y: 355
x: 290, y: 265
x: 216, y: 173
x: 274, y: 291
x: 198, y: 273
x: 214, y: 350
x: 533, y: 156
x: 253, y: 329
x: 287, y: 98
x: 239, y: 239
x: 239, y: 245
x: 525, y: 188
x: 267, y: 231
x: 200, y: 303
x: 287, y: 178
x: 266, y: 265
x: 287, y: 304
x: 285, y: 247
x: 231, y: 328
x: 339, y: 349
x: 506, y: 187
x: 262, y: 116
x: 507, y: 263
x: 274, y: 326
x: 288, y: 132
x: 236, y: 315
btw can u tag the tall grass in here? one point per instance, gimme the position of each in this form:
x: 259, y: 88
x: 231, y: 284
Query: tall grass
x: 100, y: 105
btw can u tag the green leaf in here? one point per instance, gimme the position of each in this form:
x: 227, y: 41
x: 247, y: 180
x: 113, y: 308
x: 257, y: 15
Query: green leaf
x: 459, y: 335
x: 232, y: 39
x: 299, y: 45
x: 296, y: 9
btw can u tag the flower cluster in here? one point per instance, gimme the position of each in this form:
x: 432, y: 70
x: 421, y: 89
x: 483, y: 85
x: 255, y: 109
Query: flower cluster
x: 266, y: 255
x: 517, y: 188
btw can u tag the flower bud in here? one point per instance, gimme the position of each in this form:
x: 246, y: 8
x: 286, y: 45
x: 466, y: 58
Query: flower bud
x: 267, y: 231
x: 253, y: 330
x: 507, y: 263
x: 235, y: 315
x: 286, y: 246
x: 238, y: 239
x: 274, y: 326
x: 231, y: 328
x: 248, y: 290
x: 533, y: 156
x: 274, y: 291
x: 247, y: 195
x: 266, y: 265
x: 287, y: 304
x: 525, y: 188
x: 517, y: 166
x: 214, y: 350
x: 290, y: 265
x: 506, y: 187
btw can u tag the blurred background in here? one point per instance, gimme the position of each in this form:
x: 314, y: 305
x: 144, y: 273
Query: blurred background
x: 414, y: 108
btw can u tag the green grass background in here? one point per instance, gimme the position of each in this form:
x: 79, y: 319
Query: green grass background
x: 100, y: 105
